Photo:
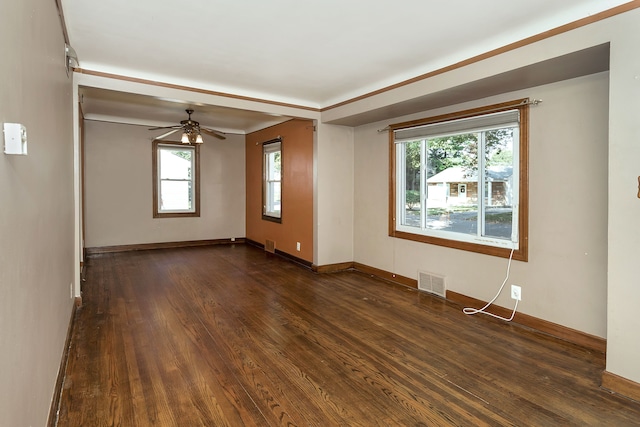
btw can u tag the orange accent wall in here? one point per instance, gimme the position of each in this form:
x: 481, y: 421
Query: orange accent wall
x: 297, y: 188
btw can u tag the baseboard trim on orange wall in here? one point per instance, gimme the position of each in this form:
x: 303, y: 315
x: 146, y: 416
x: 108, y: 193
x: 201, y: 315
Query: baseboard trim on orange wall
x: 254, y: 243
x: 621, y: 385
x: 302, y: 262
x: 295, y: 259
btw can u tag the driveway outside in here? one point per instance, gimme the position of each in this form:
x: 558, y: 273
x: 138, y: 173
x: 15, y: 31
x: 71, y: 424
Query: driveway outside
x: 464, y: 222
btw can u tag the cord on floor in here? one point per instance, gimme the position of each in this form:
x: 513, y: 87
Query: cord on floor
x: 471, y: 311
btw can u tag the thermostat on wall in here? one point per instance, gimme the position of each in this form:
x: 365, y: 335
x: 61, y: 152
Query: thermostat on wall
x: 15, y: 139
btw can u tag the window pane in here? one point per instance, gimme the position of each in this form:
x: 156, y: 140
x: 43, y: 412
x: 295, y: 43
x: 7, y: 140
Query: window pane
x: 273, y: 166
x: 499, y: 185
x: 175, y: 195
x: 273, y: 199
x: 452, y: 196
x: 412, y: 188
x: 175, y: 164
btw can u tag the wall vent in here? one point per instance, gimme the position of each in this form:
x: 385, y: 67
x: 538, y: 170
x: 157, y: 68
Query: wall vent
x: 270, y: 246
x: 432, y: 283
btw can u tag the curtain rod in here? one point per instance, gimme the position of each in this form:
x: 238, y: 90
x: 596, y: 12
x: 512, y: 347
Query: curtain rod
x: 532, y: 102
x: 271, y: 141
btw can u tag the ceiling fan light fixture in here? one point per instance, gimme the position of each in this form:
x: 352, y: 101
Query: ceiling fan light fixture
x: 191, y: 131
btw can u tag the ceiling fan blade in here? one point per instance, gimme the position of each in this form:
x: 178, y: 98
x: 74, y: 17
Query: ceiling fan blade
x: 167, y: 133
x: 166, y: 127
x: 216, y: 133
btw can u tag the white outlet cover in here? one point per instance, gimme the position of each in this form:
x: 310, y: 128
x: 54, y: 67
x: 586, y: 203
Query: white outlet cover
x: 15, y: 139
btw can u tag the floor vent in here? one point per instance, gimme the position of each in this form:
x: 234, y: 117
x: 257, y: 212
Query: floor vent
x: 432, y: 283
x: 270, y: 246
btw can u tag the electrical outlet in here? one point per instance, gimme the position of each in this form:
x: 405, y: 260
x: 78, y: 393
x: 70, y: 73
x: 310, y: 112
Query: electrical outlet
x: 516, y: 292
x: 298, y: 246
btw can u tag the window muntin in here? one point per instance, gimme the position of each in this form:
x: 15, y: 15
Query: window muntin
x: 176, y: 184
x: 272, y: 180
x: 457, y: 180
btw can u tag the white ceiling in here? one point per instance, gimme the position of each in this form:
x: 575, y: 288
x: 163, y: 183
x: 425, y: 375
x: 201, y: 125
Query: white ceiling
x: 312, y: 53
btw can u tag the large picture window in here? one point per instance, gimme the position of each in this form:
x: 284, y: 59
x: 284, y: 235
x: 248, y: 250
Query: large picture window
x: 175, y: 180
x: 272, y: 180
x: 460, y: 180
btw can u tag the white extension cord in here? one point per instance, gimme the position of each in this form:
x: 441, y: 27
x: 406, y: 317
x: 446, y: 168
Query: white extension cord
x: 472, y: 311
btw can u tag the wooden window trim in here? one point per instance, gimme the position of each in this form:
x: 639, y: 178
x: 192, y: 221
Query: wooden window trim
x: 266, y: 217
x: 522, y: 253
x: 156, y: 213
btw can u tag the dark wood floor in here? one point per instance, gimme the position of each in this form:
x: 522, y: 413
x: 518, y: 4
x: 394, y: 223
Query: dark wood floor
x: 233, y: 336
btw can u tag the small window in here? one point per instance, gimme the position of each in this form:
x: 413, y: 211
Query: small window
x: 176, y: 189
x: 460, y: 180
x: 272, y: 179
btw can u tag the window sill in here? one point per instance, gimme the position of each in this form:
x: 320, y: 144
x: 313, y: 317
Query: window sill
x: 519, y: 254
x: 176, y: 214
x: 272, y: 219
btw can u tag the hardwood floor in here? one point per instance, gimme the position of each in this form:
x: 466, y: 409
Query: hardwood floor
x: 234, y: 336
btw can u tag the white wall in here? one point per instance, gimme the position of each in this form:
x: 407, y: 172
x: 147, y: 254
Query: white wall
x: 118, y: 189
x: 36, y: 211
x: 566, y: 277
x: 333, y: 195
x: 623, y: 338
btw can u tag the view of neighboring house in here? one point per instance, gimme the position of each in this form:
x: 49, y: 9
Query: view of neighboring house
x: 459, y: 186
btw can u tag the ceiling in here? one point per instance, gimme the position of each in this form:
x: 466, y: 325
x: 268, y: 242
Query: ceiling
x: 309, y: 53
x: 121, y: 107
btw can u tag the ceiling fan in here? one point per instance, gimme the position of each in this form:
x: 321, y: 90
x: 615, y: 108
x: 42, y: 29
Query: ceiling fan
x: 190, y: 131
